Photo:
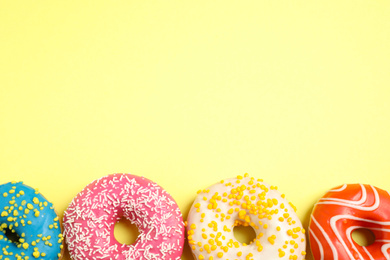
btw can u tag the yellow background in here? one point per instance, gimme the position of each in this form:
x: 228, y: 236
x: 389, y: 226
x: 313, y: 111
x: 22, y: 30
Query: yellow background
x: 187, y: 93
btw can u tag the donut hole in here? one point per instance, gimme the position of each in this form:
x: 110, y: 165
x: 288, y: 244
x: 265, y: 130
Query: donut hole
x: 363, y: 236
x: 244, y: 234
x: 125, y: 232
x: 12, y: 236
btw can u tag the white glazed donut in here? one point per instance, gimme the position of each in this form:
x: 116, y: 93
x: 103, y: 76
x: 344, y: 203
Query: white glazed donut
x: 248, y: 202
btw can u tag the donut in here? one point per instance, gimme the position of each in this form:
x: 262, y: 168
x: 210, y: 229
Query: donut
x: 29, y: 225
x: 244, y: 201
x: 91, y: 216
x: 343, y: 210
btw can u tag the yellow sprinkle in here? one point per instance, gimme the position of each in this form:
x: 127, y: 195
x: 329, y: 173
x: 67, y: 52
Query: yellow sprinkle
x: 271, y: 239
x: 281, y: 253
x: 241, y: 213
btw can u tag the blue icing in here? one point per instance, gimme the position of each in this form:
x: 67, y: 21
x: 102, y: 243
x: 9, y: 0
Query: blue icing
x: 29, y: 227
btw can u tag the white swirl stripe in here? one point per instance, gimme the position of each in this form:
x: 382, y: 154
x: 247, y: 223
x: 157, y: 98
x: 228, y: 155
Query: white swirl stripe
x: 384, y: 250
x: 368, y: 253
x: 359, y: 202
x: 319, y: 244
x: 334, y: 251
x: 339, y: 189
x: 351, y: 204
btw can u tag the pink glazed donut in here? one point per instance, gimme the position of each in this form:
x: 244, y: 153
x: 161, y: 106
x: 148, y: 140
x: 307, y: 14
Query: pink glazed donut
x: 90, y: 219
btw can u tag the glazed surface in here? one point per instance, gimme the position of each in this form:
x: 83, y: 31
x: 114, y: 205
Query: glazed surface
x: 29, y: 226
x: 341, y: 211
x: 244, y: 201
x: 90, y: 219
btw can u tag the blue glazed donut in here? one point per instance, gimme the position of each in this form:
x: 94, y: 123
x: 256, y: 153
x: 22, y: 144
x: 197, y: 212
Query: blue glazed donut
x: 29, y: 226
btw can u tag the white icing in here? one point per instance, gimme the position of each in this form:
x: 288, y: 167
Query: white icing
x: 268, y: 227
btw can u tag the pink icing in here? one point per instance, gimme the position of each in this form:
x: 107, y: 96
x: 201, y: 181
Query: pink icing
x: 90, y: 218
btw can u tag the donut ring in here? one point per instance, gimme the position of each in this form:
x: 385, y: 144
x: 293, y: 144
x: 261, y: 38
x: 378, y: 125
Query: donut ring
x: 90, y: 218
x: 29, y: 225
x: 248, y: 202
x: 341, y: 211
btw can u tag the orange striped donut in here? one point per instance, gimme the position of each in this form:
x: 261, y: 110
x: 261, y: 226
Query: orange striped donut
x: 343, y: 210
